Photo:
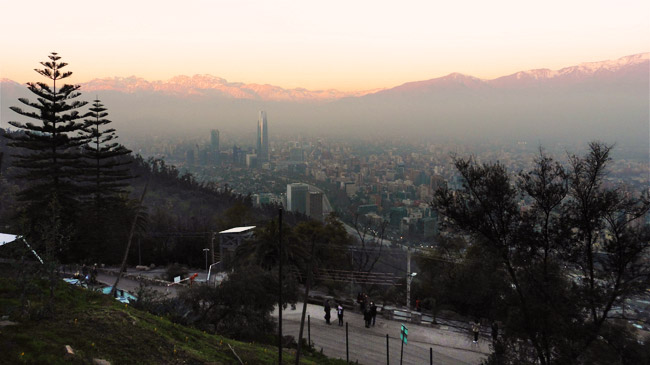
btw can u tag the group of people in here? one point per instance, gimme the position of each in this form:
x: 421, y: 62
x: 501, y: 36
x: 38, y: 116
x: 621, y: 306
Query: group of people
x: 328, y: 310
x: 88, y: 274
x: 368, y: 308
x: 476, y: 328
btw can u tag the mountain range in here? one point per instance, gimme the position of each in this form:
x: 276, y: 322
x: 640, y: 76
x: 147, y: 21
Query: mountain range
x: 605, y: 100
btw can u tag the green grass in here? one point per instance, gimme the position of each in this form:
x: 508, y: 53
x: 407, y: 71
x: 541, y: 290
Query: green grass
x: 97, y: 326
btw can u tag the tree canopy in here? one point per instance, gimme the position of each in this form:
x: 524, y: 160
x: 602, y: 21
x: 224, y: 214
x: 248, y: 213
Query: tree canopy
x: 571, y: 252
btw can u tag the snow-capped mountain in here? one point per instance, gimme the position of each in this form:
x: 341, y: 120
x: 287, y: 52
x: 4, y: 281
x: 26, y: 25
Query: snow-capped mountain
x: 207, y: 85
x: 597, y: 100
x: 210, y: 86
x: 579, y: 73
x: 584, y: 72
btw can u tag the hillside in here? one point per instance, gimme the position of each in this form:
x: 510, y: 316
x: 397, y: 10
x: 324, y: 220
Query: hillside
x: 96, y: 326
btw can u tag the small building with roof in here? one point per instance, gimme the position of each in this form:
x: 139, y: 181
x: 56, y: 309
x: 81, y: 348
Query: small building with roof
x: 229, y: 240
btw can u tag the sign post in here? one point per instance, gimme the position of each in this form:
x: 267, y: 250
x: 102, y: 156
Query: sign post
x: 403, y: 334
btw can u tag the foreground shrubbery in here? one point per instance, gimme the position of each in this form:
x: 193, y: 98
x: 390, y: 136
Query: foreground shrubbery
x: 97, y: 326
x: 239, y: 308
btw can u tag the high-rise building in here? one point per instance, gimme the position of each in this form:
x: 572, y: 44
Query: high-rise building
x: 214, y: 139
x: 297, y: 197
x: 296, y: 154
x: 315, y: 205
x: 262, y: 144
x: 214, y: 145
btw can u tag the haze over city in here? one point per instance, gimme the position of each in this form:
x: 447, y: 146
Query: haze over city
x: 217, y: 181
x: 239, y: 57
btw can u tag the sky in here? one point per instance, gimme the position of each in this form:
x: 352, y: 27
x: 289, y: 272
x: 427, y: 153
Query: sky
x: 345, y: 45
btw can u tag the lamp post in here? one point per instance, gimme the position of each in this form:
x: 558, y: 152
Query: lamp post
x: 409, y: 278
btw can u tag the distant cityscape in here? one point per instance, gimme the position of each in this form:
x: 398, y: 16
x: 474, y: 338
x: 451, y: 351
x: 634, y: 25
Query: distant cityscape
x: 376, y: 182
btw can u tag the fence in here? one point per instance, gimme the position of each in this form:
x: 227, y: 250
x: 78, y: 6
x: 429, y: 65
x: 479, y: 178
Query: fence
x: 355, y: 343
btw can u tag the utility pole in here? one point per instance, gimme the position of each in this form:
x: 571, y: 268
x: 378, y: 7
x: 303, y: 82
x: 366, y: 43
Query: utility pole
x: 128, y: 243
x: 280, y: 288
x: 408, y: 277
x: 212, y: 246
x: 206, y: 250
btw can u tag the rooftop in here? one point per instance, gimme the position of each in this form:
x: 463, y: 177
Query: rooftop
x: 238, y: 229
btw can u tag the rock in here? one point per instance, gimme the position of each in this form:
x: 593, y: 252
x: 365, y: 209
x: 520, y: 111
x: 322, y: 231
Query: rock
x: 69, y: 352
x: 7, y: 323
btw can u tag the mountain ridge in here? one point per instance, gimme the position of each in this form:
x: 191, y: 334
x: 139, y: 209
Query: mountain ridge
x: 208, y: 85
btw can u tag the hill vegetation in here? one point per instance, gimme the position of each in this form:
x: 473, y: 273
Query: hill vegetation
x: 96, y: 326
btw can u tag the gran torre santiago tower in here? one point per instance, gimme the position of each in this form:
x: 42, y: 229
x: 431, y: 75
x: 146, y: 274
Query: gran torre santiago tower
x: 262, y: 144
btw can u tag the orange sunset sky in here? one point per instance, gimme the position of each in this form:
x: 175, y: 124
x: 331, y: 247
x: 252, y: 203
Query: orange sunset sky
x: 345, y: 45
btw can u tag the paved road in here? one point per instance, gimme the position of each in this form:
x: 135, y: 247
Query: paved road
x: 368, y: 345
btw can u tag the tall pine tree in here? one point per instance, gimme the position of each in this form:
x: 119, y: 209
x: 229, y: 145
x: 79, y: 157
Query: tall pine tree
x: 106, y: 178
x: 50, y: 163
x: 107, y: 172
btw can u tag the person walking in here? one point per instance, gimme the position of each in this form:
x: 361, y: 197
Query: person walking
x: 339, y: 312
x: 328, y: 309
x: 367, y: 316
x: 495, y: 331
x: 476, y: 327
x: 373, y: 312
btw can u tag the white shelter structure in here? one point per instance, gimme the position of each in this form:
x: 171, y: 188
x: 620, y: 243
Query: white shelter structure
x: 229, y: 240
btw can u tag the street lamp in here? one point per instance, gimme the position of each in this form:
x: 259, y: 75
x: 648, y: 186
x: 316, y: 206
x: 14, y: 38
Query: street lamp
x: 409, y: 278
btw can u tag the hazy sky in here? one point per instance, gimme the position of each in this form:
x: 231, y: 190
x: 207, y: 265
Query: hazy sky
x: 347, y: 45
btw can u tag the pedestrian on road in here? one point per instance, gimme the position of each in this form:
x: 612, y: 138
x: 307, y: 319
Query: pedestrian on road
x: 93, y: 275
x: 476, y: 327
x: 373, y: 312
x: 367, y: 316
x: 495, y: 331
x: 339, y: 312
x: 328, y: 309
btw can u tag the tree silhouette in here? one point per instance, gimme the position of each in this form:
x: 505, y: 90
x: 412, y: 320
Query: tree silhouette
x: 50, y: 165
x: 107, y: 172
x: 570, y: 257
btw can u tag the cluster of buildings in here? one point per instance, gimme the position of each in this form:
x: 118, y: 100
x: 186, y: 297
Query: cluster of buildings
x: 301, y: 199
x: 381, y: 181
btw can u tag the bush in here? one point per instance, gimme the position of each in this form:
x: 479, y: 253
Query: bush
x: 175, y: 270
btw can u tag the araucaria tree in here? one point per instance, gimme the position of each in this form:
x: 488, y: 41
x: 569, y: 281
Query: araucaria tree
x: 572, y: 252
x: 50, y: 161
x: 106, y: 173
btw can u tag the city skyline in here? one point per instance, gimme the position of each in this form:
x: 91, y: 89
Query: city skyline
x: 262, y: 142
x: 348, y: 47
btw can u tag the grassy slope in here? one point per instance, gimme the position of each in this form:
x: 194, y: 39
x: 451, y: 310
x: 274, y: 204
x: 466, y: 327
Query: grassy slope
x: 97, y: 326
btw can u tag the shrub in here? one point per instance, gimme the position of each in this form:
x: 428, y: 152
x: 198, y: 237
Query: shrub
x: 175, y: 270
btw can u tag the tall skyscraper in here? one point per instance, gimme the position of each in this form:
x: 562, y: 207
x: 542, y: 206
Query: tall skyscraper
x: 214, y: 145
x: 297, y: 197
x: 214, y: 140
x: 262, y: 144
